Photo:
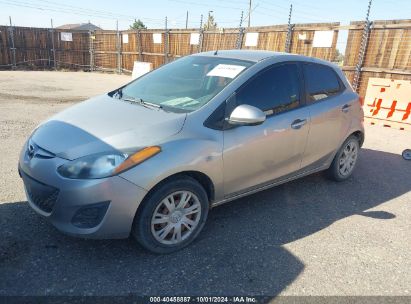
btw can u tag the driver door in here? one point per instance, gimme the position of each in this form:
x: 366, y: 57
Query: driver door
x: 257, y: 155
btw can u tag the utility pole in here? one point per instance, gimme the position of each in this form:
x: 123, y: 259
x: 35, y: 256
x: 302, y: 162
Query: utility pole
x: 187, y: 20
x: 249, y: 13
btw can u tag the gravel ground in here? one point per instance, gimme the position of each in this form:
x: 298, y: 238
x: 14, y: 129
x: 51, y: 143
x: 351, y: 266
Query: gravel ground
x: 308, y: 237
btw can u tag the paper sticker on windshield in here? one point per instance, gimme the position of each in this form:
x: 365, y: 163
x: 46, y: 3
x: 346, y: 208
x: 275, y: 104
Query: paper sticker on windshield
x: 180, y: 101
x: 226, y: 70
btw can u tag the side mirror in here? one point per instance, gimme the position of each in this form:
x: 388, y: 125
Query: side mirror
x: 246, y: 115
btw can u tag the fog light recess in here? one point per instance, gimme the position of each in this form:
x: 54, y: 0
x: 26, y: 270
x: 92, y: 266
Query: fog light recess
x: 91, y: 215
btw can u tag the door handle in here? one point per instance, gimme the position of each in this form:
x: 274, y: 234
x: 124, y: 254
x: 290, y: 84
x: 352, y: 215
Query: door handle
x: 345, y: 108
x: 298, y: 123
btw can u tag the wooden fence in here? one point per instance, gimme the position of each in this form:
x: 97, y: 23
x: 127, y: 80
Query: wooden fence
x: 387, y: 47
x: 387, y: 52
x: 43, y: 47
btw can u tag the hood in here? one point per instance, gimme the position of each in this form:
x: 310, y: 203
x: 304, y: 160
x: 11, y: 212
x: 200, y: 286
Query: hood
x: 104, y: 124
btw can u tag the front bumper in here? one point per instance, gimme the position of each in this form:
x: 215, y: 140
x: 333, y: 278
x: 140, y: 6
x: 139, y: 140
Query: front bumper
x: 106, y: 206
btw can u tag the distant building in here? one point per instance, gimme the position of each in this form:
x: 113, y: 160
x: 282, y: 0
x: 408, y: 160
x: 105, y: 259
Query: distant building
x: 79, y: 27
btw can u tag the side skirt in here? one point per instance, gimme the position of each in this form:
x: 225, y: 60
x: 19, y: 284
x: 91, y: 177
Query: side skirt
x: 269, y: 185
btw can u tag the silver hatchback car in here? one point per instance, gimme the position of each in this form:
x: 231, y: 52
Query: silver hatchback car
x: 153, y: 156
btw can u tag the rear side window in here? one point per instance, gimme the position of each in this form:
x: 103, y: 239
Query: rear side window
x: 274, y: 90
x: 321, y: 82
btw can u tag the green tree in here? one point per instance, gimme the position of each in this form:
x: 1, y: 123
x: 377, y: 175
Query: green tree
x: 210, y: 24
x: 137, y: 25
x: 339, y: 57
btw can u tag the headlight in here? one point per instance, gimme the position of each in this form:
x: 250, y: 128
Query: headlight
x: 104, y: 165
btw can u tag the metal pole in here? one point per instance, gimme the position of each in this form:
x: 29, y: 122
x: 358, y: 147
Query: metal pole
x: 140, y: 50
x: 118, y: 50
x: 200, y: 43
x: 187, y: 20
x: 201, y: 21
x: 240, y: 36
x: 363, y: 49
x: 166, y: 43
x: 52, y: 45
x: 91, y: 50
x: 289, y: 32
x: 13, y: 49
x: 249, y: 13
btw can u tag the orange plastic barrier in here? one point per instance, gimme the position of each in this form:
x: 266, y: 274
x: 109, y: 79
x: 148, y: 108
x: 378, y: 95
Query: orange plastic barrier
x: 388, y: 102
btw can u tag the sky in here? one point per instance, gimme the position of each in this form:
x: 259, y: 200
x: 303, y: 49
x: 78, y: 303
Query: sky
x: 105, y: 13
x: 227, y: 13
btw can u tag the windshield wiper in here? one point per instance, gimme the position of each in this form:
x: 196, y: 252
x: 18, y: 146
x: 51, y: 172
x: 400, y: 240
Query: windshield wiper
x: 142, y: 102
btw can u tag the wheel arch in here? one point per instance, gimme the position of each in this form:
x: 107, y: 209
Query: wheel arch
x: 360, y: 135
x: 203, y: 179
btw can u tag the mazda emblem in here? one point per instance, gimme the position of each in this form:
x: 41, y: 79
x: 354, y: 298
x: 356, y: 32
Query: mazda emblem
x: 30, y: 150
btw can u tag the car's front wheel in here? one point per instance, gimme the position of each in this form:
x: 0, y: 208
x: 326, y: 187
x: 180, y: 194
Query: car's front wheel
x: 171, y: 216
x: 345, y: 160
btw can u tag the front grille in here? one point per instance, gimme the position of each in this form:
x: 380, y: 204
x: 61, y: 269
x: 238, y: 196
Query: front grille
x: 41, y: 195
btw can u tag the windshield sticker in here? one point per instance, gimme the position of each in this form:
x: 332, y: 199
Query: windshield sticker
x: 178, y: 101
x: 226, y: 70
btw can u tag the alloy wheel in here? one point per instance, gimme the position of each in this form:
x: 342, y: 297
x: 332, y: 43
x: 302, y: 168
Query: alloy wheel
x: 176, y: 217
x: 348, y: 158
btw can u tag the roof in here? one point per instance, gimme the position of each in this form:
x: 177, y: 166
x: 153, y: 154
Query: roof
x: 258, y: 55
x: 79, y: 27
x: 250, y: 55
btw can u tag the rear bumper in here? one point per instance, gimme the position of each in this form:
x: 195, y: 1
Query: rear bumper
x: 98, y: 208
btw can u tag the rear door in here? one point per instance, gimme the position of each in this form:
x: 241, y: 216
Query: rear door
x: 329, y: 111
x: 254, y: 155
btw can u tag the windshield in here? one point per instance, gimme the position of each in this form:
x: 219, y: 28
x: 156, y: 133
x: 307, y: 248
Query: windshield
x: 187, y: 83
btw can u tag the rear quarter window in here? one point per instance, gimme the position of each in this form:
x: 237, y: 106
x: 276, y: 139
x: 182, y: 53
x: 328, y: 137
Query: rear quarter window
x: 321, y: 82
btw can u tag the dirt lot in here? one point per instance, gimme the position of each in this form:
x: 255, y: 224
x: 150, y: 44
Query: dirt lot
x: 308, y: 237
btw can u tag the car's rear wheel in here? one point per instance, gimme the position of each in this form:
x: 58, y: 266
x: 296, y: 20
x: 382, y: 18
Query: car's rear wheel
x: 345, y: 160
x: 171, y: 216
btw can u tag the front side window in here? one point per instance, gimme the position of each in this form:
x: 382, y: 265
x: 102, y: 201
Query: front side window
x: 187, y: 83
x: 321, y: 81
x: 274, y: 90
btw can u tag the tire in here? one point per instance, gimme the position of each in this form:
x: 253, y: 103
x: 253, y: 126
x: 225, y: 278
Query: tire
x: 157, y: 228
x: 406, y: 154
x: 349, y: 151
